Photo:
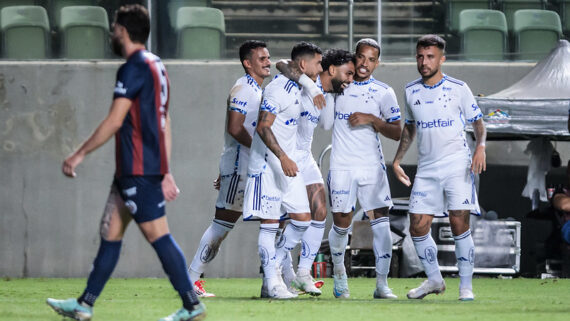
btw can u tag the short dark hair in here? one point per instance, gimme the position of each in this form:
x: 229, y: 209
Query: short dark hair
x: 431, y: 40
x: 368, y: 42
x: 304, y: 48
x: 135, y: 19
x: 336, y: 57
x: 245, y: 50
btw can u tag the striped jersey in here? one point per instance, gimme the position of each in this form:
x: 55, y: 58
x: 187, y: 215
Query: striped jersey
x: 440, y: 113
x: 140, y: 147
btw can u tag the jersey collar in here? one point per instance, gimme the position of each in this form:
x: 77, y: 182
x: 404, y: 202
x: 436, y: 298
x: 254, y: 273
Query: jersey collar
x: 436, y: 85
x: 249, y: 77
x: 362, y: 83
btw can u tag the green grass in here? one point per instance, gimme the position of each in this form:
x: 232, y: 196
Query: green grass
x: 237, y: 299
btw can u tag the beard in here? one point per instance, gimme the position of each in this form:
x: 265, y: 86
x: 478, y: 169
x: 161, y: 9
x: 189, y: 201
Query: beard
x: 116, y: 46
x: 337, y: 86
x: 430, y: 74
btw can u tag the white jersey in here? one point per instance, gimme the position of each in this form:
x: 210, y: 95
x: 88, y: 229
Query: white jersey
x: 310, y: 116
x: 282, y: 98
x: 439, y: 113
x: 359, y: 147
x: 244, y: 98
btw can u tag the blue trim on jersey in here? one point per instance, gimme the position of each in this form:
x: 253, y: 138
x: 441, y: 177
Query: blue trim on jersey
x: 415, y: 82
x: 290, y: 84
x: 474, y: 119
x: 241, y: 111
x: 455, y: 81
x: 251, y: 81
x: 389, y: 120
x: 265, y: 106
x: 371, y: 80
x: 409, y: 121
x: 436, y: 85
x: 379, y: 83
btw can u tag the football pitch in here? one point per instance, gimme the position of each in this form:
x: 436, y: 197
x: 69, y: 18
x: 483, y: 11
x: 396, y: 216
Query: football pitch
x: 238, y: 299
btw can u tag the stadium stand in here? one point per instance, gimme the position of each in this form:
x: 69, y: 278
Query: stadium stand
x: 454, y: 8
x: 201, y: 33
x: 25, y: 32
x: 535, y: 32
x: 510, y: 6
x: 174, y: 5
x: 56, y: 6
x: 84, y: 32
x: 483, y: 34
x: 9, y: 3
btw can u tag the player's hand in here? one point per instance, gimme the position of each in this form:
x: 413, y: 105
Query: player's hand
x: 359, y: 119
x: 289, y: 166
x: 320, y: 101
x: 70, y: 163
x: 401, y: 175
x: 479, y: 163
x: 169, y: 188
x: 217, y: 183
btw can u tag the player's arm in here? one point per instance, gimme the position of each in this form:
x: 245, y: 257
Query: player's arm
x: 169, y: 188
x: 389, y: 129
x: 106, y: 129
x: 479, y: 163
x: 236, y: 129
x: 291, y: 70
x: 408, y: 134
x: 264, y: 131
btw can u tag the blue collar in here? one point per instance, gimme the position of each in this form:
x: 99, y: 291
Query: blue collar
x: 436, y: 85
x: 248, y: 76
x: 362, y: 83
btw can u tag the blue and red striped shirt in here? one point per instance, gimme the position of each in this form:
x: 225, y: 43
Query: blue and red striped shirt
x: 140, y: 147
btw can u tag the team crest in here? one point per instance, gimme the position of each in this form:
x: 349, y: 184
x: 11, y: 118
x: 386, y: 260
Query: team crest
x: 132, y: 206
x: 430, y: 255
x: 207, y: 254
x: 263, y: 256
x: 305, y: 250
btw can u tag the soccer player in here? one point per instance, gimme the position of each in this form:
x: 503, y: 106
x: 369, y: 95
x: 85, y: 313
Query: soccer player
x: 273, y: 185
x: 437, y: 107
x: 139, y: 120
x: 241, y: 116
x: 357, y: 170
x: 337, y: 74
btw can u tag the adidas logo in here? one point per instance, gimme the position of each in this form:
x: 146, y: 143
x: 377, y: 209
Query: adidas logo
x: 417, y: 102
x: 387, y: 198
x: 466, y: 201
x: 462, y: 259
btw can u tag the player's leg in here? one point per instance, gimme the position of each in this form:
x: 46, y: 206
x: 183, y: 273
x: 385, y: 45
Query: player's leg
x: 113, y: 224
x: 228, y: 211
x: 374, y: 194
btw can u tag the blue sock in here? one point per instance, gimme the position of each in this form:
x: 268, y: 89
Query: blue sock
x: 104, y: 264
x: 174, y: 265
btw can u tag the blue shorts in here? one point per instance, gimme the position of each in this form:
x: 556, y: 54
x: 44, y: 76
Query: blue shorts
x: 566, y: 232
x: 143, y: 196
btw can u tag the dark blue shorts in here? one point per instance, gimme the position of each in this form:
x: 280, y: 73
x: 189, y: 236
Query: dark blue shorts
x: 142, y: 196
x: 566, y: 232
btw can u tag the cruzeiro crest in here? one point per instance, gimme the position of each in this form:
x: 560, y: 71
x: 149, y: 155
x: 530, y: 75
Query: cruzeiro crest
x: 263, y: 255
x: 430, y: 255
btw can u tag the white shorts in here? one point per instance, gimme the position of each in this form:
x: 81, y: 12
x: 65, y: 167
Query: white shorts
x: 369, y: 185
x: 269, y: 195
x: 231, y: 192
x: 308, y: 167
x: 437, y: 191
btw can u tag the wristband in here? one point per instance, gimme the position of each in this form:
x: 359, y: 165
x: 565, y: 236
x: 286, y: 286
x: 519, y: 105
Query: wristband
x: 309, y: 85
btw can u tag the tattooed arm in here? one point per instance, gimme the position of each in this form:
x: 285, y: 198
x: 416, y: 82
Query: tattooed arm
x: 264, y: 131
x: 291, y: 70
x: 408, y: 134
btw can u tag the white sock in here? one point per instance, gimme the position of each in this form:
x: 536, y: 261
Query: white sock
x: 291, y: 237
x: 465, y: 254
x: 209, y: 246
x: 427, y: 252
x: 311, y: 243
x: 338, y: 239
x: 266, y: 247
x: 287, y: 269
x: 382, y: 242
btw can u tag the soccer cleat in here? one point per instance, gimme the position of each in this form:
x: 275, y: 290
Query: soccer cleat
x: 307, y: 284
x: 71, y: 308
x: 427, y: 287
x: 466, y: 294
x: 384, y: 292
x: 264, y: 291
x: 280, y: 292
x: 199, y: 313
x: 340, y: 289
x: 200, y: 291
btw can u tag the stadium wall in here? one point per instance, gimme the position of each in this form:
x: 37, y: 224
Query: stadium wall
x: 49, y: 223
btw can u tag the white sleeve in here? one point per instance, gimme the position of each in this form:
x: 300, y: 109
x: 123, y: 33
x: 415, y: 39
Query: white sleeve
x: 469, y: 106
x: 327, y: 114
x: 389, y: 108
x: 272, y: 96
x: 409, y: 115
x: 239, y: 99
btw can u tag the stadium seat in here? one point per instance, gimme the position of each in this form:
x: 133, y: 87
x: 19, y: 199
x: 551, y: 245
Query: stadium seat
x: 510, y: 6
x: 25, y: 32
x: 10, y: 3
x: 57, y: 5
x: 174, y: 5
x: 483, y: 34
x: 536, y: 32
x: 201, y: 33
x: 454, y: 7
x: 84, y: 32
